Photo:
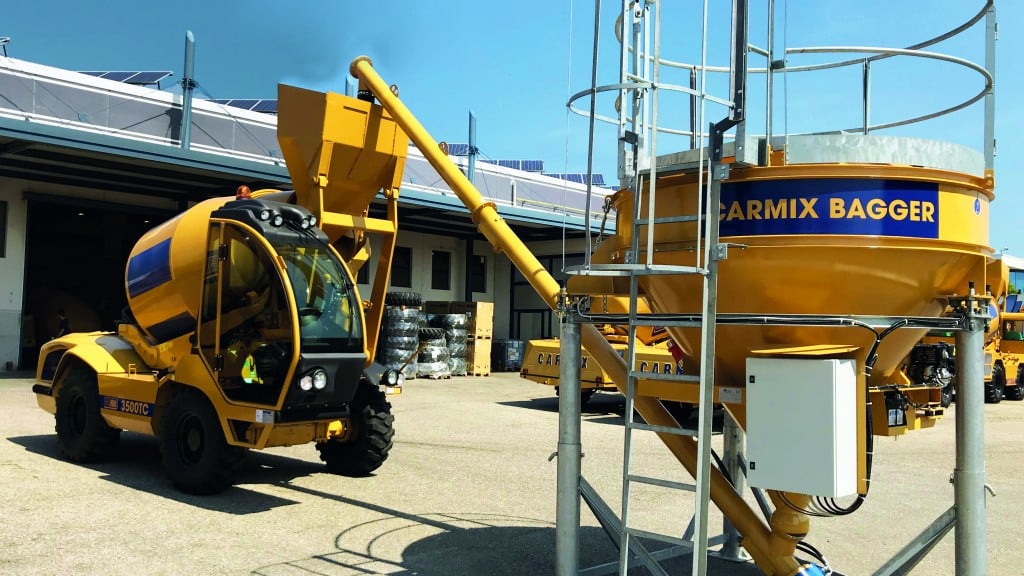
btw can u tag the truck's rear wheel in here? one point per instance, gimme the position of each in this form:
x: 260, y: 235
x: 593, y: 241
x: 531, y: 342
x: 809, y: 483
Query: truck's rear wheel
x: 196, y: 456
x: 994, y: 389
x: 82, y: 433
x: 370, y: 439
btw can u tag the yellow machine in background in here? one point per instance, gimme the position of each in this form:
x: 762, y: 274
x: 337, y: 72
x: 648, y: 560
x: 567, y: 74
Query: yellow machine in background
x: 931, y: 362
x: 542, y: 360
x: 245, y: 328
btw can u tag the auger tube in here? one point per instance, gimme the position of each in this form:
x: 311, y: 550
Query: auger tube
x: 773, y: 552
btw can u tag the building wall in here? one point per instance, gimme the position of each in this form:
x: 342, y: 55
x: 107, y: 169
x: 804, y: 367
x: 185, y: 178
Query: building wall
x: 12, y: 270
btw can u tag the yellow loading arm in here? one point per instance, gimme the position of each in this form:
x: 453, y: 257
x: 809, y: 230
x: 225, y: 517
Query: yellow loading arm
x: 341, y: 152
x: 771, y: 549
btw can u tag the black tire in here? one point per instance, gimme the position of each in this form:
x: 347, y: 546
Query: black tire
x: 401, y: 342
x: 82, y: 433
x: 370, y: 440
x: 196, y: 456
x: 681, y: 411
x: 431, y: 354
x: 1016, y: 393
x: 455, y: 335
x: 458, y: 366
x: 585, y: 395
x: 431, y: 334
x: 401, y: 328
x: 946, y: 395
x: 391, y: 356
x: 452, y: 320
x: 457, y: 349
x: 393, y: 314
x: 994, y: 389
x: 403, y: 299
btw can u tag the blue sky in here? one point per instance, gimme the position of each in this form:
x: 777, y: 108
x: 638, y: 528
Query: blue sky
x: 510, y: 63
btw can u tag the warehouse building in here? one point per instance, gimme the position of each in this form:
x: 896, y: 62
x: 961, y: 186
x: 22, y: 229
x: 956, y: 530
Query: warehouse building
x: 90, y: 161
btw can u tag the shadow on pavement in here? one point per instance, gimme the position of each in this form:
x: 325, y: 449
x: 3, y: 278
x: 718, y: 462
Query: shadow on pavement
x: 136, y: 464
x: 460, y: 544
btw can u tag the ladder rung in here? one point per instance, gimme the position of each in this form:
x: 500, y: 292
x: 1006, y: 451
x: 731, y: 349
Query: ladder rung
x: 668, y: 220
x: 662, y: 483
x: 659, y: 537
x: 666, y: 429
x: 665, y: 377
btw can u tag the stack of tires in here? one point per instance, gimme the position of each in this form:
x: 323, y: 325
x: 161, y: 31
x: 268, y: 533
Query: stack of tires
x: 455, y: 335
x: 400, y: 329
x: 433, y: 358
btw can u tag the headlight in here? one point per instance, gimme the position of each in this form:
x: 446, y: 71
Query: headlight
x: 306, y: 383
x: 278, y: 220
x: 988, y: 358
x: 312, y: 220
x: 401, y: 378
x: 265, y: 214
x: 304, y: 223
x: 988, y: 370
x: 390, y: 377
x: 319, y: 379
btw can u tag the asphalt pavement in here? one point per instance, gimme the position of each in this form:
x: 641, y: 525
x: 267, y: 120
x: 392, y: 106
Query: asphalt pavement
x: 468, y: 490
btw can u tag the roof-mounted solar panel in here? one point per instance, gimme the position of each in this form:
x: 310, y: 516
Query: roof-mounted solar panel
x: 140, y: 78
x: 266, y: 105
x: 269, y: 106
x: 458, y: 149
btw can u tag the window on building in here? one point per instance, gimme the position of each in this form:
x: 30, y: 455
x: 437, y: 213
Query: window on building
x: 478, y: 273
x: 441, y: 270
x: 3, y: 229
x: 401, y: 267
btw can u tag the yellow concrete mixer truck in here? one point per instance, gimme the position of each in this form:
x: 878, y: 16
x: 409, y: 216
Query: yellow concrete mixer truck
x: 245, y: 329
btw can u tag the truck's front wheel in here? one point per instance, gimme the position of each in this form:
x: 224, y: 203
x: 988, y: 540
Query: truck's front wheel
x: 196, y: 456
x: 368, y: 442
x: 82, y: 433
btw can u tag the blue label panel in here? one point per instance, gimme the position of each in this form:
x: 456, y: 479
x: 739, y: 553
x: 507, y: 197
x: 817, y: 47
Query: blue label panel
x: 830, y: 206
x: 149, y: 268
x: 136, y: 407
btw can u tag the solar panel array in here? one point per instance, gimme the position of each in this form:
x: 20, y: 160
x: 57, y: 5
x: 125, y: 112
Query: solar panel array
x: 580, y: 178
x: 131, y: 77
x: 267, y: 105
x: 524, y: 165
x: 458, y: 149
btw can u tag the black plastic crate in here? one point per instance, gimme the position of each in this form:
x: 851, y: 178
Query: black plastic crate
x: 507, y: 355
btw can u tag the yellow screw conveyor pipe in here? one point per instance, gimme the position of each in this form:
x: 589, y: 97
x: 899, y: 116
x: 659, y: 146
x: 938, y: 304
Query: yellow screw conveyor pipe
x: 772, y: 552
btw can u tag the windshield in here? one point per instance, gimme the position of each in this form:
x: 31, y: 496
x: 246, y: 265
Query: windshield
x: 329, y: 319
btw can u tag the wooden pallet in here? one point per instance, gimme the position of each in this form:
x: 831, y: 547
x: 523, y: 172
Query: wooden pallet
x: 435, y: 376
x: 481, y: 373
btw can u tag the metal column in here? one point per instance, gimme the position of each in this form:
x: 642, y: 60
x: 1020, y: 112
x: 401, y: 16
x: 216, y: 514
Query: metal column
x: 969, y: 475
x: 188, y: 84
x: 567, y: 512
x: 734, y: 443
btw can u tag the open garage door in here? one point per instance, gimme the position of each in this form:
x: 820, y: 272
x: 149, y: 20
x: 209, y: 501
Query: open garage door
x: 76, y: 252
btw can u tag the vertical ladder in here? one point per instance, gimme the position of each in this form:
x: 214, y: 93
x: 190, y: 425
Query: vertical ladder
x: 638, y: 30
x: 639, y: 33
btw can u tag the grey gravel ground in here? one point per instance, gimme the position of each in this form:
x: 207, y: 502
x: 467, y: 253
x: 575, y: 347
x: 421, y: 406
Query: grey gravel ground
x: 468, y: 490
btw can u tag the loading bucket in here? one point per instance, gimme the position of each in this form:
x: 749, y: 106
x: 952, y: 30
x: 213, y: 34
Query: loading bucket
x: 836, y: 239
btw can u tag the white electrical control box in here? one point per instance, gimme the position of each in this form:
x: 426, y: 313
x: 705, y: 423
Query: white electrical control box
x: 802, y: 425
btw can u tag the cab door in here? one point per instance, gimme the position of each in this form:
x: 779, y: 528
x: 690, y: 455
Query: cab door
x: 246, y: 332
